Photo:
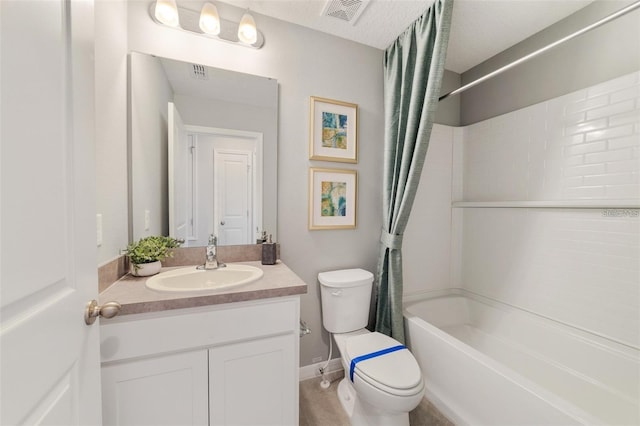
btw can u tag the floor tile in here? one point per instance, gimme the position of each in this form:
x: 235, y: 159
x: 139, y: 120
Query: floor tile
x: 321, y: 407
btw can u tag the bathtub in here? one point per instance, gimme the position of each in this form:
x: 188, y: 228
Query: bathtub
x: 486, y: 363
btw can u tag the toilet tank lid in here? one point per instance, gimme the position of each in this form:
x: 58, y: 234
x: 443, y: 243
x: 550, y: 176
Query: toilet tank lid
x: 345, y: 278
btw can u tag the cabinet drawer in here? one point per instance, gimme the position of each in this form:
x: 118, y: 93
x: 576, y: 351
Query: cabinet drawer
x: 141, y: 335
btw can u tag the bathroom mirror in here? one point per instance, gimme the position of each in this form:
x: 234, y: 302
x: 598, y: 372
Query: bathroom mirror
x: 202, y: 152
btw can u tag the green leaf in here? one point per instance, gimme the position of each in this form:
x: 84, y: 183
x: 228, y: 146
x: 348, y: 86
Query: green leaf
x: 151, y: 249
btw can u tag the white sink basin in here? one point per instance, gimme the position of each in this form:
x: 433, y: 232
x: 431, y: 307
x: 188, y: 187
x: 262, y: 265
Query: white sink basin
x: 191, y: 279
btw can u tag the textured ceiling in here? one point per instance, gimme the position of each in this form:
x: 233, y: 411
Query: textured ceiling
x: 217, y: 83
x: 480, y: 28
x: 484, y: 28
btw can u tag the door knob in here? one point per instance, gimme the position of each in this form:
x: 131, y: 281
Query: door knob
x: 222, y: 223
x: 93, y: 311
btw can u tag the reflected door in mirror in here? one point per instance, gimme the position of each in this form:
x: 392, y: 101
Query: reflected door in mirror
x: 225, y: 173
x: 178, y: 173
x: 232, y: 196
x: 169, y: 189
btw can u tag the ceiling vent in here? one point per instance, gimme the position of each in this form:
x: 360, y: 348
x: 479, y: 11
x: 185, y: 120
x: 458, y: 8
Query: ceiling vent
x: 199, y: 72
x: 346, y: 10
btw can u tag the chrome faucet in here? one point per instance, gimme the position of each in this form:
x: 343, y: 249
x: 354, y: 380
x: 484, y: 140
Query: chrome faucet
x: 212, y: 251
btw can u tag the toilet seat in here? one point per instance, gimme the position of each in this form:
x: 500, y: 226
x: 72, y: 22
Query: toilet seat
x: 396, y: 373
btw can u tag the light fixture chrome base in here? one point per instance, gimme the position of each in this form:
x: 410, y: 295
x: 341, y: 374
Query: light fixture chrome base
x: 190, y: 22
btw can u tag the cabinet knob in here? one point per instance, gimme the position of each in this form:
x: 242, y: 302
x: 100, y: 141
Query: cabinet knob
x: 93, y: 311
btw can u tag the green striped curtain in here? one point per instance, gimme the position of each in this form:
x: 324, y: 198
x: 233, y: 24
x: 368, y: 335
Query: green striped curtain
x: 413, y: 69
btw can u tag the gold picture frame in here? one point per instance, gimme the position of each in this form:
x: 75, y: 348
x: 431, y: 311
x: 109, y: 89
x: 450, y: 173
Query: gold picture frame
x: 333, y: 130
x: 333, y: 198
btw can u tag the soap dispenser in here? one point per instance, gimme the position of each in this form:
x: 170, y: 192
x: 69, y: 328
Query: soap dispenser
x: 262, y: 239
x: 269, y: 256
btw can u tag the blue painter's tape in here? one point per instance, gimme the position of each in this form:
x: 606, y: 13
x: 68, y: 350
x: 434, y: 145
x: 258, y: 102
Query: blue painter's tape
x: 372, y: 355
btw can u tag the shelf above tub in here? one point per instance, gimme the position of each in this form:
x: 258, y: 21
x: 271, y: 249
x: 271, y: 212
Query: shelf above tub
x: 562, y: 204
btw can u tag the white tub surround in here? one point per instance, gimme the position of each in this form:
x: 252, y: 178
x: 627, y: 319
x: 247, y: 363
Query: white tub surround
x: 486, y: 362
x: 545, y: 242
x: 578, y: 147
x: 545, y: 211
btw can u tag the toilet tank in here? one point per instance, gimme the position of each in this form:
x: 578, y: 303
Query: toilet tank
x: 346, y: 297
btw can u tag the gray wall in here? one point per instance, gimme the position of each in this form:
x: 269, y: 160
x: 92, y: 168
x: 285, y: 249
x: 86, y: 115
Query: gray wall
x: 448, y: 112
x: 111, y: 126
x: 150, y: 93
x: 298, y: 58
x: 305, y: 63
x: 602, y: 54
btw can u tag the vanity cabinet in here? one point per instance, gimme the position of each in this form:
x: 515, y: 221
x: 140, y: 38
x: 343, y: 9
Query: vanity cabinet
x: 229, y: 364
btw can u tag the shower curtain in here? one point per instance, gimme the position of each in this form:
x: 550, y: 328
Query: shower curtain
x: 413, y: 69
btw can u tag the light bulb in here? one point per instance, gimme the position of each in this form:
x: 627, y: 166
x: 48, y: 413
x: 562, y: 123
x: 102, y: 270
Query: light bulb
x: 247, y: 32
x: 209, y: 19
x: 167, y: 12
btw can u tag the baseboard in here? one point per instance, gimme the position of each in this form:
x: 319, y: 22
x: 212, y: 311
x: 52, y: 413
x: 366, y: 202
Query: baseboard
x: 444, y: 409
x: 311, y: 371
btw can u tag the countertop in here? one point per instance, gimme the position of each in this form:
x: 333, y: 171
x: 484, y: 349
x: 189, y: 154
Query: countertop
x: 278, y: 280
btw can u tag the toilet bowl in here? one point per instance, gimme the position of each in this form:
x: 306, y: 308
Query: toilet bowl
x: 381, y: 389
x: 383, y: 381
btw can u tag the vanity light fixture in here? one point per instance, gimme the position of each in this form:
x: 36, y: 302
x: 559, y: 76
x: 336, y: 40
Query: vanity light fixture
x: 166, y: 11
x: 209, y: 19
x: 207, y: 23
x: 247, y: 31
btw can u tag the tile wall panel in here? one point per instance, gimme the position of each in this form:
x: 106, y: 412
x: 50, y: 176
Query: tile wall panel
x: 585, y: 145
x: 426, y: 250
x: 577, y: 266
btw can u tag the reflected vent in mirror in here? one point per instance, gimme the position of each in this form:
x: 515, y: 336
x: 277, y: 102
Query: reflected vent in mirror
x: 199, y: 72
x: 346, y: 10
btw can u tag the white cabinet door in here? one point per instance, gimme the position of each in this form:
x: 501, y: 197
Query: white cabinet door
x: 165, y: 390
x: 254, y: 382
x: 178, y: 159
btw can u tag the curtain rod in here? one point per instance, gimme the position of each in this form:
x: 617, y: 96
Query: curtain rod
x: 492, y: 74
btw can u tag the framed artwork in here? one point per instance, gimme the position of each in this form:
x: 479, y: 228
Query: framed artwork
x: 333, y: 133
x: 333, y: 198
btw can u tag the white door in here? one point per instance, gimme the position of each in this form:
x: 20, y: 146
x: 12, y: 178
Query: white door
x: 49, y: 357
x: 178, y: 173
x: 203, y: 210
x: 232, y: 196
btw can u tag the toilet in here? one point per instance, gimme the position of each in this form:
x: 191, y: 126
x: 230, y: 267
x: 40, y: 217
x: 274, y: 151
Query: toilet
x: 383, y: 381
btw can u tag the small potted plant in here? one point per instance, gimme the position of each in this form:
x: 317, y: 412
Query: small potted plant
x: 145, y: 256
